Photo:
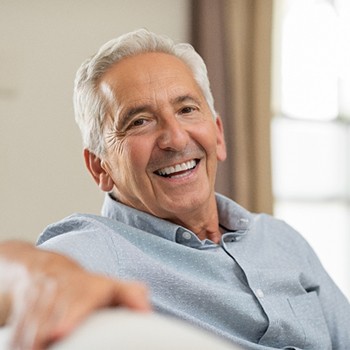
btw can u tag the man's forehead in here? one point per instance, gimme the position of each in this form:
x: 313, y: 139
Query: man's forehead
x: 144, y: 77
x: 146, y: 65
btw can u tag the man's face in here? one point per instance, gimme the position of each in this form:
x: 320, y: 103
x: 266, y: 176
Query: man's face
x: 162, y: 141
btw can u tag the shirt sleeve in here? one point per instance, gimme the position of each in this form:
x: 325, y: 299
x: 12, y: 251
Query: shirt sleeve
x: 334, y: 304
x: 85, y: 240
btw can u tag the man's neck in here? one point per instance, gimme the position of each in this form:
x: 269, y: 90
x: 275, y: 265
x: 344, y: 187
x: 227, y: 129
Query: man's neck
x: 204, y: 223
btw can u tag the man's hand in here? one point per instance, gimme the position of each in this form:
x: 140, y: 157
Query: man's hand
x: 50, y: 294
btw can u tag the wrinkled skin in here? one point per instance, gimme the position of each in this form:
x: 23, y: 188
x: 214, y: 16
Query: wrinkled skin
x: 60, y: 299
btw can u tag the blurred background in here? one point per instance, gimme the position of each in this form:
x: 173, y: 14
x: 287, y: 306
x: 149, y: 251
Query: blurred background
x: 280, y: 76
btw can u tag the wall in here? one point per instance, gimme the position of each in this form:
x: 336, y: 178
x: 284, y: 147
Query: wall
x: 42, y: 43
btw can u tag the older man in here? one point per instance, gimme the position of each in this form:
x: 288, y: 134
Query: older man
x: 152, y: 140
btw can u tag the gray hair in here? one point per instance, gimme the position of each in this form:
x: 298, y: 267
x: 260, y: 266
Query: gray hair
x: 91, y: 105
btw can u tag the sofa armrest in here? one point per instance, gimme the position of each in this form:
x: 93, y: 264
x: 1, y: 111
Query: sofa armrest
x: 123, y: 329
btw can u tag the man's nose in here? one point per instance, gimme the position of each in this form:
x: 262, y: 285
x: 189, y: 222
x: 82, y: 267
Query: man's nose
x: 172, y: 135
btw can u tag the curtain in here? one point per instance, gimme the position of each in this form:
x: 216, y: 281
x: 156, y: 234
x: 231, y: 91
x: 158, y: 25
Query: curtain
x: 234, y: 39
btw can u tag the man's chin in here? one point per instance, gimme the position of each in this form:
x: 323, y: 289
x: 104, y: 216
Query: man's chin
x: 183, y: 204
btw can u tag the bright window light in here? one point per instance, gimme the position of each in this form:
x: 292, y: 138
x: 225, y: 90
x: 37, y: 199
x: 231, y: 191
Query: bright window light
x: 311, y: 127
x: 310, y: 57
x: 310, y: 158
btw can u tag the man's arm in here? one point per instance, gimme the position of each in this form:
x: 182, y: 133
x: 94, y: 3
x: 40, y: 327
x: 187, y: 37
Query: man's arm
x: 45, y: 295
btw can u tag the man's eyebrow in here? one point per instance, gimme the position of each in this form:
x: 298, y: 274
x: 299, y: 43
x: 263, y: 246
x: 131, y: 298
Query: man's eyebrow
x: 186, y: 98
x: 131, y: 112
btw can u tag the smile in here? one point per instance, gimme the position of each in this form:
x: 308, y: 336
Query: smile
x: 177, y: 169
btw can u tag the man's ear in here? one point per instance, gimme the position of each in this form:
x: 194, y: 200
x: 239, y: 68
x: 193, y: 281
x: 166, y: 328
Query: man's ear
x: 100, y: 175
x: 220, y: 140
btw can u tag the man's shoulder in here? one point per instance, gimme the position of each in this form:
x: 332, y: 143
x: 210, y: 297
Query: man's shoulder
x: 78, y: 224
x: 278, y: 232
x: 88, y: 239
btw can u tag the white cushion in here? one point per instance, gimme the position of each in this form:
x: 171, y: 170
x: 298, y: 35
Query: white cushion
x: 126, y: 330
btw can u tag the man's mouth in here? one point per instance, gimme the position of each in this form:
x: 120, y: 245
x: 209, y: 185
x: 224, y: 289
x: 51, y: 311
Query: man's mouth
x: 177, y: 169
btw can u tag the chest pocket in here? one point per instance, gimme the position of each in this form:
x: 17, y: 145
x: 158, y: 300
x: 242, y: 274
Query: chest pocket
x: 299, y: 324
x: 308, y: 313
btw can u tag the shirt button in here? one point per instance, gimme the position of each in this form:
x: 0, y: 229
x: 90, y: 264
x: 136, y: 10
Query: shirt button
x: 259, y: 293
x: 186, y: 235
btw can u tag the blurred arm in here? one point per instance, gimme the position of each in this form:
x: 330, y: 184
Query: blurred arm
x: 45, y: 295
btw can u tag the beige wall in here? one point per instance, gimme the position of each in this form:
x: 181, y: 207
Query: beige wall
x: 41, y: 45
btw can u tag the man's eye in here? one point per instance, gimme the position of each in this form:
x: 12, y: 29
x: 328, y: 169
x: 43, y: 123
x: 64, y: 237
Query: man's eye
x: 138, y: 122
x: 187, y: 110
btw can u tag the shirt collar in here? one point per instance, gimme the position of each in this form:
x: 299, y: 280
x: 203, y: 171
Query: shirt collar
x: 141, y: 220
x: 232, y: 217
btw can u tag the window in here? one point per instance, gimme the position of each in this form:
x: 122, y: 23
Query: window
x: 311, y: 127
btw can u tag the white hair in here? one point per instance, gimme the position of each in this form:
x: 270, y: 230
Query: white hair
x: 91, y: 105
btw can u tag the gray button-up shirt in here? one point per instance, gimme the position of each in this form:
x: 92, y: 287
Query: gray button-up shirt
x: 261, y: 287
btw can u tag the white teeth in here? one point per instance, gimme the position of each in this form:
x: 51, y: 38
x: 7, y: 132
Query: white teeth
x: 178, y: 167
